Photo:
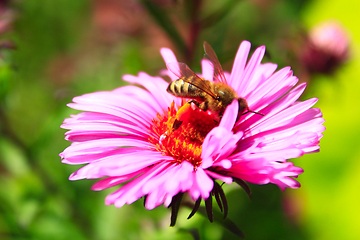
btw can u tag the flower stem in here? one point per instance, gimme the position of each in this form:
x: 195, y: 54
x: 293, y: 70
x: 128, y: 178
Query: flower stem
x: 195, y: 28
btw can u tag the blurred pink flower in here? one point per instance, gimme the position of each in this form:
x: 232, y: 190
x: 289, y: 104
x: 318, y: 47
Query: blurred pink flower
x: 326, y: 48
x: 125, y: 136
x: 330, y: 37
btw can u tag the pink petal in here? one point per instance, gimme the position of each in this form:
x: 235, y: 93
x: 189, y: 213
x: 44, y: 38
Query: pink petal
x: 239, y: 64
x: 285, y: 116
x: 102, y: 145
x: 113, y: 181
x: 202, y: 185
x: 214, y: 175
x: 87, y: 157
x: 118, y: 165
x: 261, y: 76
x: 271, y: 90
x: 131, y: 191
x: 251, y: 121
x: 220, y: 142
x: 250, y: 70
x: 153, y: 84
x: 169, y: 57
x: 230, y: 115
x: 207, y: 69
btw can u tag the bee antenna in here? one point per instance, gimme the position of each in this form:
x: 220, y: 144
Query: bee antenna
x: 249, y: 111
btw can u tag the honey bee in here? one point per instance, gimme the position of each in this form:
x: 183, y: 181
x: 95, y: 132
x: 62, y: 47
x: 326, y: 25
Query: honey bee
x: 207, y: 95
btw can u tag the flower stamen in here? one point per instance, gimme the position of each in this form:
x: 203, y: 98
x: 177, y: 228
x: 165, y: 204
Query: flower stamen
x: 185, y: 142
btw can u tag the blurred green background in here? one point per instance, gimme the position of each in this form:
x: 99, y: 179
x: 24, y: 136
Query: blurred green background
x: 52, y: 51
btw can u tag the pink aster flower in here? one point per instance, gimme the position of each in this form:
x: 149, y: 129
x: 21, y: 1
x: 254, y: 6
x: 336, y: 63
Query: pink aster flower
x: 126, y: 137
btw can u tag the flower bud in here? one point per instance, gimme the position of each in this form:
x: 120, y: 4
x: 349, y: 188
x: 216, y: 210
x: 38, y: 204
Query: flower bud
x: 326, y: 48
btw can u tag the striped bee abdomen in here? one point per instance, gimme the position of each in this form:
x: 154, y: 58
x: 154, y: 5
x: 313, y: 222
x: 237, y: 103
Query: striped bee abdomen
x: 181, y: 88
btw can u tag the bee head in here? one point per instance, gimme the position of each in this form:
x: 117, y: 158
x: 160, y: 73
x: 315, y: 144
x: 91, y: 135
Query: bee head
x: 243, y: 106
x: 225, y: 96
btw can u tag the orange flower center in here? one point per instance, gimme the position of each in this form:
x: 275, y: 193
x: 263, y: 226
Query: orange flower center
x: 180, y: 134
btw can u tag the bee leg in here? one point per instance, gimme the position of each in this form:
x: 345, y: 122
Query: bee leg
x: 204, y: 106
x: 195, y: 102
x: 183, y: 114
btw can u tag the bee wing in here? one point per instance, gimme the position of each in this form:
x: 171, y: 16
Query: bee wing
x: 181, y: 70
x: 211, y: 55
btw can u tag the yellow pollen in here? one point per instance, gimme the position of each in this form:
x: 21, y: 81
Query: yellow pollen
x: 183, y: 142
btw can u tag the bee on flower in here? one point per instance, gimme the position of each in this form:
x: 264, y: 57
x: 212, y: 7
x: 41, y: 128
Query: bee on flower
x: 164, y: 140
x: 215, y: 96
